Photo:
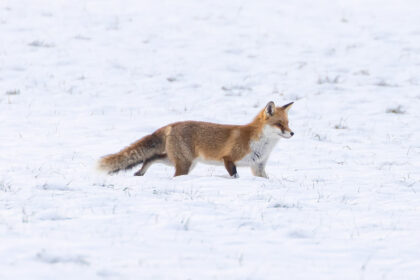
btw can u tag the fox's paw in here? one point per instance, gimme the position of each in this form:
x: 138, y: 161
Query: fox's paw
x: 139, y: 173
x: 235, y: 176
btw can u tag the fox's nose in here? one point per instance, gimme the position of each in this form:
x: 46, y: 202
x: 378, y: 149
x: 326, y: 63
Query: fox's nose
x: 292, y: 133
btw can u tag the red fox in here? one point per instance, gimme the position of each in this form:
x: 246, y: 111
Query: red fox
x: 182, y: 144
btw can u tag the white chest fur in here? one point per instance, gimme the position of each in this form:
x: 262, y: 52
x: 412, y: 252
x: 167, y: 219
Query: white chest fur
x: 261, y: 148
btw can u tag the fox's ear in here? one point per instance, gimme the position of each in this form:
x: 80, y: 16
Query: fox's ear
x: 270, y: 109
x: 287, y: 106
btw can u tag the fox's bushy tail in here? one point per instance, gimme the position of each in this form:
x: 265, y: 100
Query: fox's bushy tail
x: 134, y: 154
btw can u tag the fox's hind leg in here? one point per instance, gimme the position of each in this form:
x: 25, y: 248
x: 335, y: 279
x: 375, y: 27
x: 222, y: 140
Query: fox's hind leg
x: 180, y: 154
x: 182, y: 168
x: 148, y: 162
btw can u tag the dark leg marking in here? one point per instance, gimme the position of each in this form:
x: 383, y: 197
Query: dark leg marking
x: 230, y: 167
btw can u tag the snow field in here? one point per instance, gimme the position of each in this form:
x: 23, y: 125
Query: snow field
x: 81, y: 79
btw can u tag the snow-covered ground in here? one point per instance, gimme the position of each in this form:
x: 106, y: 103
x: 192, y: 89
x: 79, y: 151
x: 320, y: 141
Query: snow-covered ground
x: 83, y: 78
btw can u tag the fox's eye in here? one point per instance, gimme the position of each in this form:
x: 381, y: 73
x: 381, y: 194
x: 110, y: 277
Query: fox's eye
x: 279, y: 125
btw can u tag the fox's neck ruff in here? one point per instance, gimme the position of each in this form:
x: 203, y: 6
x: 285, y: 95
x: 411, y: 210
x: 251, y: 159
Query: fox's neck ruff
x: 266, y: 142
x: 261, y: 146
x: 258, y: 125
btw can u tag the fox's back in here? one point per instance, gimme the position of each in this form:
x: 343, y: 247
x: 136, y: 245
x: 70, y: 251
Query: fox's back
x: 209, y: 140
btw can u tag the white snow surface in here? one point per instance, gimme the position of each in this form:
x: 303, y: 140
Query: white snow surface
x: 83, y: 78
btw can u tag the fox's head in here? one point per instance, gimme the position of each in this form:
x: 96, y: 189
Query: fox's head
x: 276, y: 120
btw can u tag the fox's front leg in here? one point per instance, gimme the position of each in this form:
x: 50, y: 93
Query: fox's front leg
x: 259, y: 170
x: 231, y: 168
